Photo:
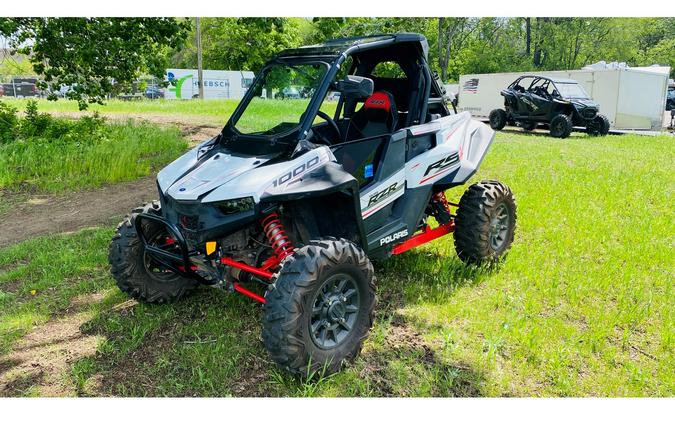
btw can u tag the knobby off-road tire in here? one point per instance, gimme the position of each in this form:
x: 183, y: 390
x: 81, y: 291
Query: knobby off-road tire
x: 599, y: 126
x: 131, y: 268
x: 561, y: 126
x: 485, y: 222
x: 497, y: 119
x: 325, y: 280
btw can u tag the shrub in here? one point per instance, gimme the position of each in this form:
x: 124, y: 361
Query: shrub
x: 9, y: 123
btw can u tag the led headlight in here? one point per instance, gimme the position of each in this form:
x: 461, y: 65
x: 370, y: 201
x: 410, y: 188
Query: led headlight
x: 234, y: 206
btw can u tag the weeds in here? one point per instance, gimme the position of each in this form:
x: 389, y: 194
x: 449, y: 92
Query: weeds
x: 43, y: 153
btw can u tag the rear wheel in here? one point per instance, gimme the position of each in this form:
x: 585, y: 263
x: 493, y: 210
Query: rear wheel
x: 485, y: 222
x: 497, y: 119
x: 137, y: 273
x: 599, y: 126
x: 561, y: 126
x: 321, y: 308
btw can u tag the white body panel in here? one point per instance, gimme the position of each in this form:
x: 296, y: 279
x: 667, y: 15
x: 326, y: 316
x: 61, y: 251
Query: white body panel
x: 632, y: 98
x: 388, y: 190
x: 461, y: 144
x: 183, y: 83
x: 233, y: 176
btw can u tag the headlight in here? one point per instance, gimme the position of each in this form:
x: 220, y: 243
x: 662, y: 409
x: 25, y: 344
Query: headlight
x: 234, y: 206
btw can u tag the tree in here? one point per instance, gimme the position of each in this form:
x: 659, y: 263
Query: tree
x: 92, y: 54
x: 452, y: 34
x: 240, y: 43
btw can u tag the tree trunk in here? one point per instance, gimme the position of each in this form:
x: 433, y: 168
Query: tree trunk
x: 444, y: 69
x: 528, y: 36
x: 536, y: 57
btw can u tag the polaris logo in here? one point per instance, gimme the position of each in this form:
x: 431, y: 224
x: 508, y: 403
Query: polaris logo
x: 392, y: 237
x: 442, y: 164
x: 378, y: 196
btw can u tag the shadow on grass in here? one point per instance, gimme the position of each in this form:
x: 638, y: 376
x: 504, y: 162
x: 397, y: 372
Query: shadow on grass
x: 209, y: 344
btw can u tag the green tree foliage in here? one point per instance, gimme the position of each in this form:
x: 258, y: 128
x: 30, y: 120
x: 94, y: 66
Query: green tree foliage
x: 239, y: 43
x: 92, y: 54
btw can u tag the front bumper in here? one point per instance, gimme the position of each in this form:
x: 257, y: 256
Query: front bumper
x: 179, y: 263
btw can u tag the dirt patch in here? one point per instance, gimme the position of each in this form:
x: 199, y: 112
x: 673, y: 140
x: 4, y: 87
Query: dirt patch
x: 403, y: 341
x: 33, y: 214
x: 253, y: 379
x: 42, y: 359
x: 129, y: 373
x: 194, y: 128
x: 74, y: 211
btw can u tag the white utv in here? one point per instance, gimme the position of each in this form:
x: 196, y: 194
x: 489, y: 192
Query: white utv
x: 290, y: 208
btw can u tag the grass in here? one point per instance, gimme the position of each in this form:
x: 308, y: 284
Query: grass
x: 220, y: 109
x: 117, y: 152
x: 213, y: 108
x: 582, y: 306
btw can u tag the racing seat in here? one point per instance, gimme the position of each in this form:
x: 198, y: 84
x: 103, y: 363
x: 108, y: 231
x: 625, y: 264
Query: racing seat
x: 378, y: 116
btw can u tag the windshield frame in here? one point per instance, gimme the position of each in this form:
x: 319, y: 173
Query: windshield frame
x: 310, y: 111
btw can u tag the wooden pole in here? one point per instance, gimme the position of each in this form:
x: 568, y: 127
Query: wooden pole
x: 200, y: 71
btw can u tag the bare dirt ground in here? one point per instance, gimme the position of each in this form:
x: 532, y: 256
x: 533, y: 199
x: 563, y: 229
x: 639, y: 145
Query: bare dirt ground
x: 194, y: 128
x: 38, y: 215
x: 28, y: 216
x: 40, y: 360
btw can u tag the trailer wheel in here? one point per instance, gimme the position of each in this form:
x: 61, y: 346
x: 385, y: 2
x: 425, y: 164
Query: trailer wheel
x: 321, y: 307
x: 485, y: 222
x: 561, y: 126
x: 137, y: 273
x: 599, y: 126
x: 497, y: 119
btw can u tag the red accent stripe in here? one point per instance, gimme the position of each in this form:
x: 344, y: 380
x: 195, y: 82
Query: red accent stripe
x: 246, y: 292
x: 426, y: 236
x: 434, y: 175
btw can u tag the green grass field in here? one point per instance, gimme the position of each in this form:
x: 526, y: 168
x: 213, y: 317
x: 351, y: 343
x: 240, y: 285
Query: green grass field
x: 582, y: 306
x: 119, y: 152
x: 215, y: 108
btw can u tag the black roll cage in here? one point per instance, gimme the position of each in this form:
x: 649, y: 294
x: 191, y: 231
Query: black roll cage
x: 334, y: 57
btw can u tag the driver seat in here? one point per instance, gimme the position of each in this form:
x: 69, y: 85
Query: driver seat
x: 378, y: 116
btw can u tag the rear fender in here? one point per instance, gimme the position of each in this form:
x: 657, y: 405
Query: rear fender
x: 461, y: 144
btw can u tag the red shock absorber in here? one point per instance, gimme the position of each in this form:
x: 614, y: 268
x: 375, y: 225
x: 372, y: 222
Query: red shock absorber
x: 441, y: 208
x: 276, y: 236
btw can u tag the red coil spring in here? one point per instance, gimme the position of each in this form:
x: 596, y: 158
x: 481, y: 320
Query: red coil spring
x: 276, y: 236
x: 440, y: 198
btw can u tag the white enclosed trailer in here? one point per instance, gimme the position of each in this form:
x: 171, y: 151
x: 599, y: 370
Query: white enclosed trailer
x: 631, y: 98
x: 183, y: 83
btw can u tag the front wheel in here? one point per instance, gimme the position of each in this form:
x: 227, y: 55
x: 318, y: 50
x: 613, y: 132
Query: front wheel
x: 321, y: 308
x: 599, y: 126
x: 485, y: 222
x: 139, y: 274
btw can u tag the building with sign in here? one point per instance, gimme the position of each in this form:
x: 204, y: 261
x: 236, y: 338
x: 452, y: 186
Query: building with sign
x: 183, y: 83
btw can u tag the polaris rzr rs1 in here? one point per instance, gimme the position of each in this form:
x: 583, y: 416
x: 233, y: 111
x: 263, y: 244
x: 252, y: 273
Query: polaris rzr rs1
x: 560, y: 104
x: 290, y: 207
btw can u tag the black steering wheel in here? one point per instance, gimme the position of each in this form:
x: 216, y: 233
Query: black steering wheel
x: 331, y: 123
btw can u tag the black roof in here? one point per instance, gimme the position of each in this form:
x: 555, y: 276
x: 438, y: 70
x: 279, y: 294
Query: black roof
x: 350, y: 45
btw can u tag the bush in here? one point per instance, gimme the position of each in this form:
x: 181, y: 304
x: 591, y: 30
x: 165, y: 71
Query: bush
x: 9, y: 123
x: 56, y: 154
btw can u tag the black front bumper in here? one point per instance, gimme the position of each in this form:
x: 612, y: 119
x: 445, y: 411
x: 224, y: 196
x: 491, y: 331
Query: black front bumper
x: 171, y: 260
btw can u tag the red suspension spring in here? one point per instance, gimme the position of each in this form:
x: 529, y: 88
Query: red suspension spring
x: 440, y: 198
x: 276, y: 236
